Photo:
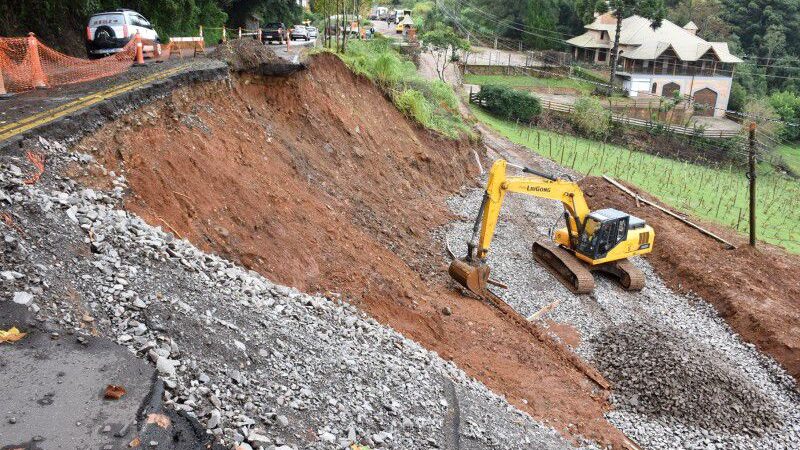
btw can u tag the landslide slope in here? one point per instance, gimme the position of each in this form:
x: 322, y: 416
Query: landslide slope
x: 317, y: 181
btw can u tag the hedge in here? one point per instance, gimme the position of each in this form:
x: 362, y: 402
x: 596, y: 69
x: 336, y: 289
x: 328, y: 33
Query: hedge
x: 509, y: 103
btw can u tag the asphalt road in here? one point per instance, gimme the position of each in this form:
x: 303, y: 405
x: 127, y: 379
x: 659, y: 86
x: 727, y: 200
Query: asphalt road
x: 28, y: 103
x: 53, y: 384
x: 24, y: 111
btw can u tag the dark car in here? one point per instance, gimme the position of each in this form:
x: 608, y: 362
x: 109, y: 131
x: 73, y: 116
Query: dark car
x: 274, y: 31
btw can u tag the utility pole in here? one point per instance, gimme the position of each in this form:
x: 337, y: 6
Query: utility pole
x: 751, y: 175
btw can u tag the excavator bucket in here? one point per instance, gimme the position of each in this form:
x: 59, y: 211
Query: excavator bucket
x: 474, y: 278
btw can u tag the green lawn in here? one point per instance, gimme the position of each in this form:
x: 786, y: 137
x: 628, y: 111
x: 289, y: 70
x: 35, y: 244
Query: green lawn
x: 527, y: 81
x: 791, y: 156
x: 717, y: 195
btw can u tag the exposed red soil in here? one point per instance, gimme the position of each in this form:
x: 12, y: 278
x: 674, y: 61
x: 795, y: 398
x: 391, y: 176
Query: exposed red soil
x: 297, y: 179
x: 757, y: 291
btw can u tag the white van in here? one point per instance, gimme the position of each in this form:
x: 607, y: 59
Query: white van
x: 109, y: 32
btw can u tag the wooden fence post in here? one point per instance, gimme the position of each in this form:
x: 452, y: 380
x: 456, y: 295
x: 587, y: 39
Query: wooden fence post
x: 752, y: 176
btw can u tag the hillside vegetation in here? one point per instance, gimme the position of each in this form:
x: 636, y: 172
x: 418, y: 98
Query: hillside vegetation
x: 433, y: 104
x: 716, y: 194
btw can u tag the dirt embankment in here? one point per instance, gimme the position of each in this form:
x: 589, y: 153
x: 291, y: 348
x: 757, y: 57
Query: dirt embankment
x: 757, y: 291
x: 317, y: 181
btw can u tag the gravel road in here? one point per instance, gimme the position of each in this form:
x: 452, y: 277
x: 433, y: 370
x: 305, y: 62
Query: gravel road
x: 682, y: 378
x: 257, y: 363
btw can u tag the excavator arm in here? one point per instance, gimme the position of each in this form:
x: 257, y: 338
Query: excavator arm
x: 540, y: 185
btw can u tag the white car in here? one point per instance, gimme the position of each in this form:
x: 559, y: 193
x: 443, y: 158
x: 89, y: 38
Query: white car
x: 313, y: 33
x: 299, y: 32
x: 109, y: 32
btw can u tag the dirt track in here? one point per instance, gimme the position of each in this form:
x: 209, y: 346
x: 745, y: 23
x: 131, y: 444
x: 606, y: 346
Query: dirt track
x: 287, y: 177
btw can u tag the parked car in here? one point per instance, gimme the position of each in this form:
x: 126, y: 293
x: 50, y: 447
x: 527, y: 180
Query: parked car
x: 299, y: 32
x: 274, y: 31
x: 108, y: 32
x: 313, y: 33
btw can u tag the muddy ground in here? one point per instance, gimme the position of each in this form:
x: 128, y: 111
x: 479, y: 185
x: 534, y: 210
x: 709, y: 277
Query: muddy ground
x: 755, y: 290
x: 293, y: 178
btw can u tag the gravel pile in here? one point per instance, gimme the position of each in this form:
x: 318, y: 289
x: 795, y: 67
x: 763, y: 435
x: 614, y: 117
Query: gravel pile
x: 682, y: 378
x: 257, y: 363
x: 245, y: 54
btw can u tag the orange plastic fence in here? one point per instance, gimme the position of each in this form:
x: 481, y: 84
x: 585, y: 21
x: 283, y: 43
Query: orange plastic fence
x: 26, y: 64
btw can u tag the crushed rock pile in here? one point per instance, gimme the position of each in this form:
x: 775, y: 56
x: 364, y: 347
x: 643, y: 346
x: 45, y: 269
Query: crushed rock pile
x: 658, y: 374
x: 257, y: 363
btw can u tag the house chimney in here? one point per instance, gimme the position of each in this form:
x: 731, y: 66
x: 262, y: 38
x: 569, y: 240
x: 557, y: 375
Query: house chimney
x: 691, y: 27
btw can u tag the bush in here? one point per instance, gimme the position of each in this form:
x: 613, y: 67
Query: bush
x: 590, y: 118
x: 738, y: 97
x: 442, y: 94
x: 433, y: 104
x: 762, y: 112
x: 413, y: 104
x: 787, y: 106
x: 509, y: 103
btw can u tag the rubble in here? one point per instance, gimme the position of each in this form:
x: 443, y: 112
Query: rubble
x: 257, y: 363
x: 681, y: 377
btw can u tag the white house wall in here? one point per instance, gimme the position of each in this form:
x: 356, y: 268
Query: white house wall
x: 689, y: 85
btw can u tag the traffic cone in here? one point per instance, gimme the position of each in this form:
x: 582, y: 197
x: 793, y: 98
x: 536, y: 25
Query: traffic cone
x: 139, y: 61
x: 38, y: 79
x: 3, y: 93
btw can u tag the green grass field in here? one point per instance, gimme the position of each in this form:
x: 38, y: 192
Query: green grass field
x: 526, y: 81
x: 791, y: 156
x: 716, y: 195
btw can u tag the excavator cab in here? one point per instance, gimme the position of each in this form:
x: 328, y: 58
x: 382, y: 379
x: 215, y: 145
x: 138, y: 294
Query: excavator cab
x: 602, y: 231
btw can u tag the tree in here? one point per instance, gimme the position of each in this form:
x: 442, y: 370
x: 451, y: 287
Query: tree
x: 787, y: 106
x: 443, y: 43
x: 540, y: 16
x: 706, y: 14
x: 650, y: 9
x: 774, y: 42
x: 764, y: 28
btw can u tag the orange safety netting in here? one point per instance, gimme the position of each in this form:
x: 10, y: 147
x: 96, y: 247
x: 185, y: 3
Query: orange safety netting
x: 26, y: 64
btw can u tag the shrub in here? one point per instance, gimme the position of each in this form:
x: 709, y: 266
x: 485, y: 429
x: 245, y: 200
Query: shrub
x: 442, y: 94
x: 433, y: 104
x: 590, y: 118
x: 762, y: 112
x: 787, y: 106
x: 509, y: 103
x: 738, y: 97
x: 413, y: 104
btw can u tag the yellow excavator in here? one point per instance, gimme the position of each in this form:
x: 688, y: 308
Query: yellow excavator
x: 591, y: 240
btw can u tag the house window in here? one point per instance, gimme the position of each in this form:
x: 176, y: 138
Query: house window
x: 602, y: 55
x: 654, y: 88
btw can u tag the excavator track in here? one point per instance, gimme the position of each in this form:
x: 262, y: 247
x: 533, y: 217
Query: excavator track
x: 563, y: 264
x: 630, y: 277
